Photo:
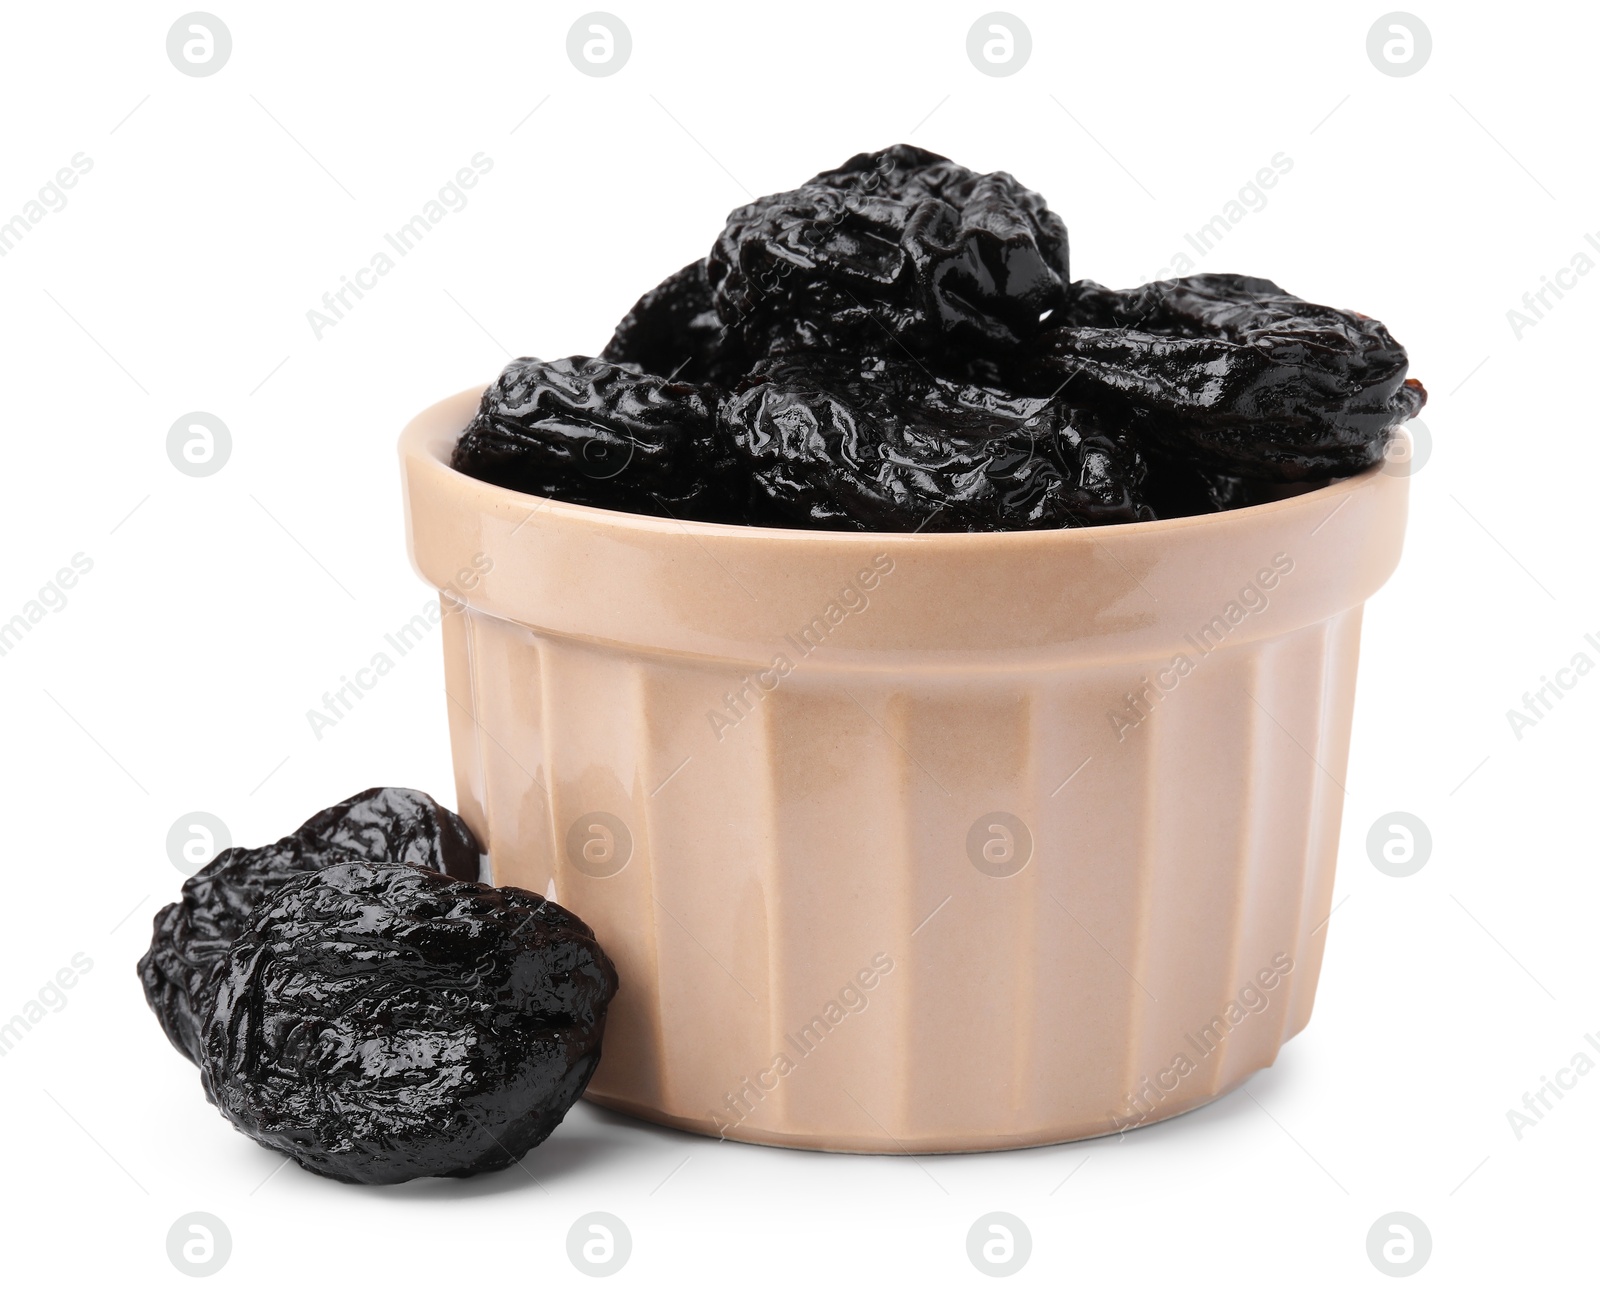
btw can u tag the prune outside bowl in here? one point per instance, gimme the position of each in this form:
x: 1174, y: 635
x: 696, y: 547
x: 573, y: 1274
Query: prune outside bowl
x: 913, y: 842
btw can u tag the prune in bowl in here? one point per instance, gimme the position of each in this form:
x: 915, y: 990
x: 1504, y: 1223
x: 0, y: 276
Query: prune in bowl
x: 1237, y: 375
x: 673, y: 331
x: 879, y: 445
x: 598, y: 433
x: 896, y: 251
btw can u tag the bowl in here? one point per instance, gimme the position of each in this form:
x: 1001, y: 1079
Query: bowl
x: 913, y: 842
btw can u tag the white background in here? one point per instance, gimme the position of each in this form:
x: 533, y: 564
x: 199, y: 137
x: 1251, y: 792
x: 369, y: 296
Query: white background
x: 218, y: 610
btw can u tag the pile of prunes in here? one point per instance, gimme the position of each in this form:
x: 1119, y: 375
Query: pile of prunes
x: 898, y: 346
x: 356, y: 999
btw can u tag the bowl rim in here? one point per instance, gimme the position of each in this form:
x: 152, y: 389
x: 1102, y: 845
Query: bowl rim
x: 430, y: 436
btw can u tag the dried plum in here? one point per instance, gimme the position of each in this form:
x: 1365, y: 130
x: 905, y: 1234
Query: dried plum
x: 896, y: 251
x: 591, y: 431
x: 380, y: 1023
x: 880, y: 445
x: 673, y: 331
x: 850, y: 320
x: 1242, y: 377
x: 191, y: 937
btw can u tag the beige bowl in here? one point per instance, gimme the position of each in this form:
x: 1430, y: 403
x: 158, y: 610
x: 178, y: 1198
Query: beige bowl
x: 919, y: 843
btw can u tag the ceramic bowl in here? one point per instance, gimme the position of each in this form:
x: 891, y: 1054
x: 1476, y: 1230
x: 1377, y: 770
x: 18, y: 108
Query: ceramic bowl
x: 913, y: 843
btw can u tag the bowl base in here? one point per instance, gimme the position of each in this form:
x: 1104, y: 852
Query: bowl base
x: 881, y: 1145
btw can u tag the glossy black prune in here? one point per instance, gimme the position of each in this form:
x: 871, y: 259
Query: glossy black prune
x: 594, y: 432
x: 878, y: 445
x: 1239, y: 376
x: 897, y: 251
x: 795, y: 333
x: 380, y: 1023
x: 191, y: 937
x: 673, y: 331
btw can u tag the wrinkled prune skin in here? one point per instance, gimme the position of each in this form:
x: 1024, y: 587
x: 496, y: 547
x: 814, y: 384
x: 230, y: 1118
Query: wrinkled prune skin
x: 1240, y: 376
x: 897, y: 251
x: 594, y: 432
x: 191, y: 937
x: 673, y: 331
x: 380, y: 1023
x: 797, y: 333
x: 881, y: 446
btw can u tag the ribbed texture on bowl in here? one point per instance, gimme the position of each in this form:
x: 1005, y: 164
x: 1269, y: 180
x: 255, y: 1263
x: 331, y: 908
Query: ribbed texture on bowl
x: 810, y: 954
x: 828, y: 830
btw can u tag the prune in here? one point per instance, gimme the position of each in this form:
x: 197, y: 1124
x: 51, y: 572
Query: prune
x: 673, y: 331
x: 896, y: 344
x: 590, y: 431
x: 897, y: 251
x: 379, y: 1023
x: 879, y: 445
x: 191, y: 937
x: 1242, y: 377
